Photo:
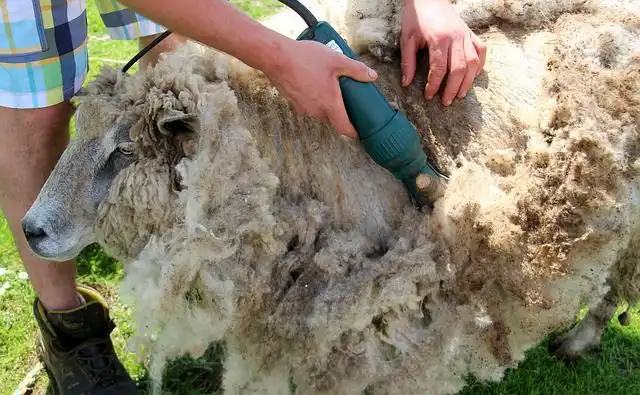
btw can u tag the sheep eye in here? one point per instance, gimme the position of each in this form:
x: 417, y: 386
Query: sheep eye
x: 125, y: 149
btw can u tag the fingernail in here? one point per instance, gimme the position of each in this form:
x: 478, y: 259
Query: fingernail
x: 373, y: 74
x: 347, y: 137
x: 404, y: 79
x: 447, y: 102
x: 463, y: 94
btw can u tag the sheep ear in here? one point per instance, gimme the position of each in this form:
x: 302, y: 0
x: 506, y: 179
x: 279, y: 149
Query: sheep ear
x: 174, y: 123
x: 183, y: 127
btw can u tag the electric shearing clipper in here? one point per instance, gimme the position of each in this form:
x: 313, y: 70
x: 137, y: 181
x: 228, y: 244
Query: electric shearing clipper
x: 386, y: 134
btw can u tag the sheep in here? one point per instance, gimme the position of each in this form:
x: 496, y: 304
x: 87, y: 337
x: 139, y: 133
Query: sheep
x: 239, y: 220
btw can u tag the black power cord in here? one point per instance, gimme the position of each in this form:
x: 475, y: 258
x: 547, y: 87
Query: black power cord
x: 301, y: 10
x: 295, y: 5
x: 145, y: 50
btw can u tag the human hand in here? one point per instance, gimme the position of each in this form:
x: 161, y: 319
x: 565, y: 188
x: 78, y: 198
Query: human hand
x: 452, y: 47
x: 307, y: 76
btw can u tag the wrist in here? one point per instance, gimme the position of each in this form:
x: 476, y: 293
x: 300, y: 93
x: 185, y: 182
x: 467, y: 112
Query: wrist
x: 272, y: 56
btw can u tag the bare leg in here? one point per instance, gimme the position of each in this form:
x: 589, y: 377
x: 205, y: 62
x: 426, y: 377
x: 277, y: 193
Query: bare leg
x: 168, y: 44
x: 588, y: 333
x: 32, y: 141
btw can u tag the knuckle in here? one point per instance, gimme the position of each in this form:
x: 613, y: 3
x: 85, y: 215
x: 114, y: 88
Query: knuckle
x: 458, y: 69
x: 457, y: 35
x: 440, y: 38
x: 362, y: 68
x: 442, y: 41
x: 439, y: 66
x: 481, y: 49
x: 405, y: 38
x: 438, y: 71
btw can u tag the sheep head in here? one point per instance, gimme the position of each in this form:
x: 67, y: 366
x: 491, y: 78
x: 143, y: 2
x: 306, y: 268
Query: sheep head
x: 122, y: 139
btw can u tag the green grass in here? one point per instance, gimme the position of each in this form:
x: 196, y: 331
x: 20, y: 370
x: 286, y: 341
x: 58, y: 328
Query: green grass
x: 612, y: 371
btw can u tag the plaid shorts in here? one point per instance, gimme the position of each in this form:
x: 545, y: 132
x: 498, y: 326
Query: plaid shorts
x: 43, y: 47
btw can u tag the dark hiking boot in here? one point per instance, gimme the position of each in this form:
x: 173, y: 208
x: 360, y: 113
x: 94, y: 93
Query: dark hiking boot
x: 77, y: 351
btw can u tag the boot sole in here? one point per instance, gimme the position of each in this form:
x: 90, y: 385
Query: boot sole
x: 52, y: 388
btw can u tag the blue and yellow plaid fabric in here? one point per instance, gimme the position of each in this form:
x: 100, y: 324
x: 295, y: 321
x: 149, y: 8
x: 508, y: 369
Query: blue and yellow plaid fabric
x: 43, y: 47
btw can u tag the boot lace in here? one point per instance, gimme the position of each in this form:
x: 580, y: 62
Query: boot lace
x: 99, y: 360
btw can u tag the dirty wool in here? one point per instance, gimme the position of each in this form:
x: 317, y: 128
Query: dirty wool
x: 252, y: 225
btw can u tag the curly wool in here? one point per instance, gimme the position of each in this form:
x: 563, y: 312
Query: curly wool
x: 290, y: 245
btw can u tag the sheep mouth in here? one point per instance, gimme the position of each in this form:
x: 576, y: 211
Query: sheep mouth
x: 56, y: 256
x: 54, y: 246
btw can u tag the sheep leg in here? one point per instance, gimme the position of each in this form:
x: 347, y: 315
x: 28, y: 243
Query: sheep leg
x: 588, y: 333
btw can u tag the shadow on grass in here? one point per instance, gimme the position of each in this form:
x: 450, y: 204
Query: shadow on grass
x: 614, y: 369
x: 190, y: 376
x: 93, y: 265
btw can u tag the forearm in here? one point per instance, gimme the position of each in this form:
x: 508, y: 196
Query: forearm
x: 218, y: 24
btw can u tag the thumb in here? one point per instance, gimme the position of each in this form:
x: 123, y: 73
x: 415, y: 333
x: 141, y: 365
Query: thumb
x: 408, y: 53
x: 356, y: 70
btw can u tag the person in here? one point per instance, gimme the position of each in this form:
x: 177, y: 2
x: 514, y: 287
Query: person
x: 43, y: 63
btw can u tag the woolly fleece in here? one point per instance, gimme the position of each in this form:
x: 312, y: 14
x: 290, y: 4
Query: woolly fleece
x: 288, y: 243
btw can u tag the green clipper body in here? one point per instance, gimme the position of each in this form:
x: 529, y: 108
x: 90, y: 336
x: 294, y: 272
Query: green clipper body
x: 386, y: 134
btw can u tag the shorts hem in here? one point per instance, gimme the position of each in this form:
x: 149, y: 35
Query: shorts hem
x: 30, y: 102
x: 135, y: 30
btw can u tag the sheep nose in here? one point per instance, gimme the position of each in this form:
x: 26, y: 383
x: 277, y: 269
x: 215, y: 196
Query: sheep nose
x: 32, y: 232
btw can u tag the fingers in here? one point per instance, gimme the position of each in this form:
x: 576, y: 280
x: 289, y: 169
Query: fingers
x: 481, y: 50
x: 408, y: 49
x: 464, y: 57
x: 312, y: 88
x: 458, y: 68
x: 338, y: 117
x: 473, y: 61
x: 438, y: 61
x: 337, y: 113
